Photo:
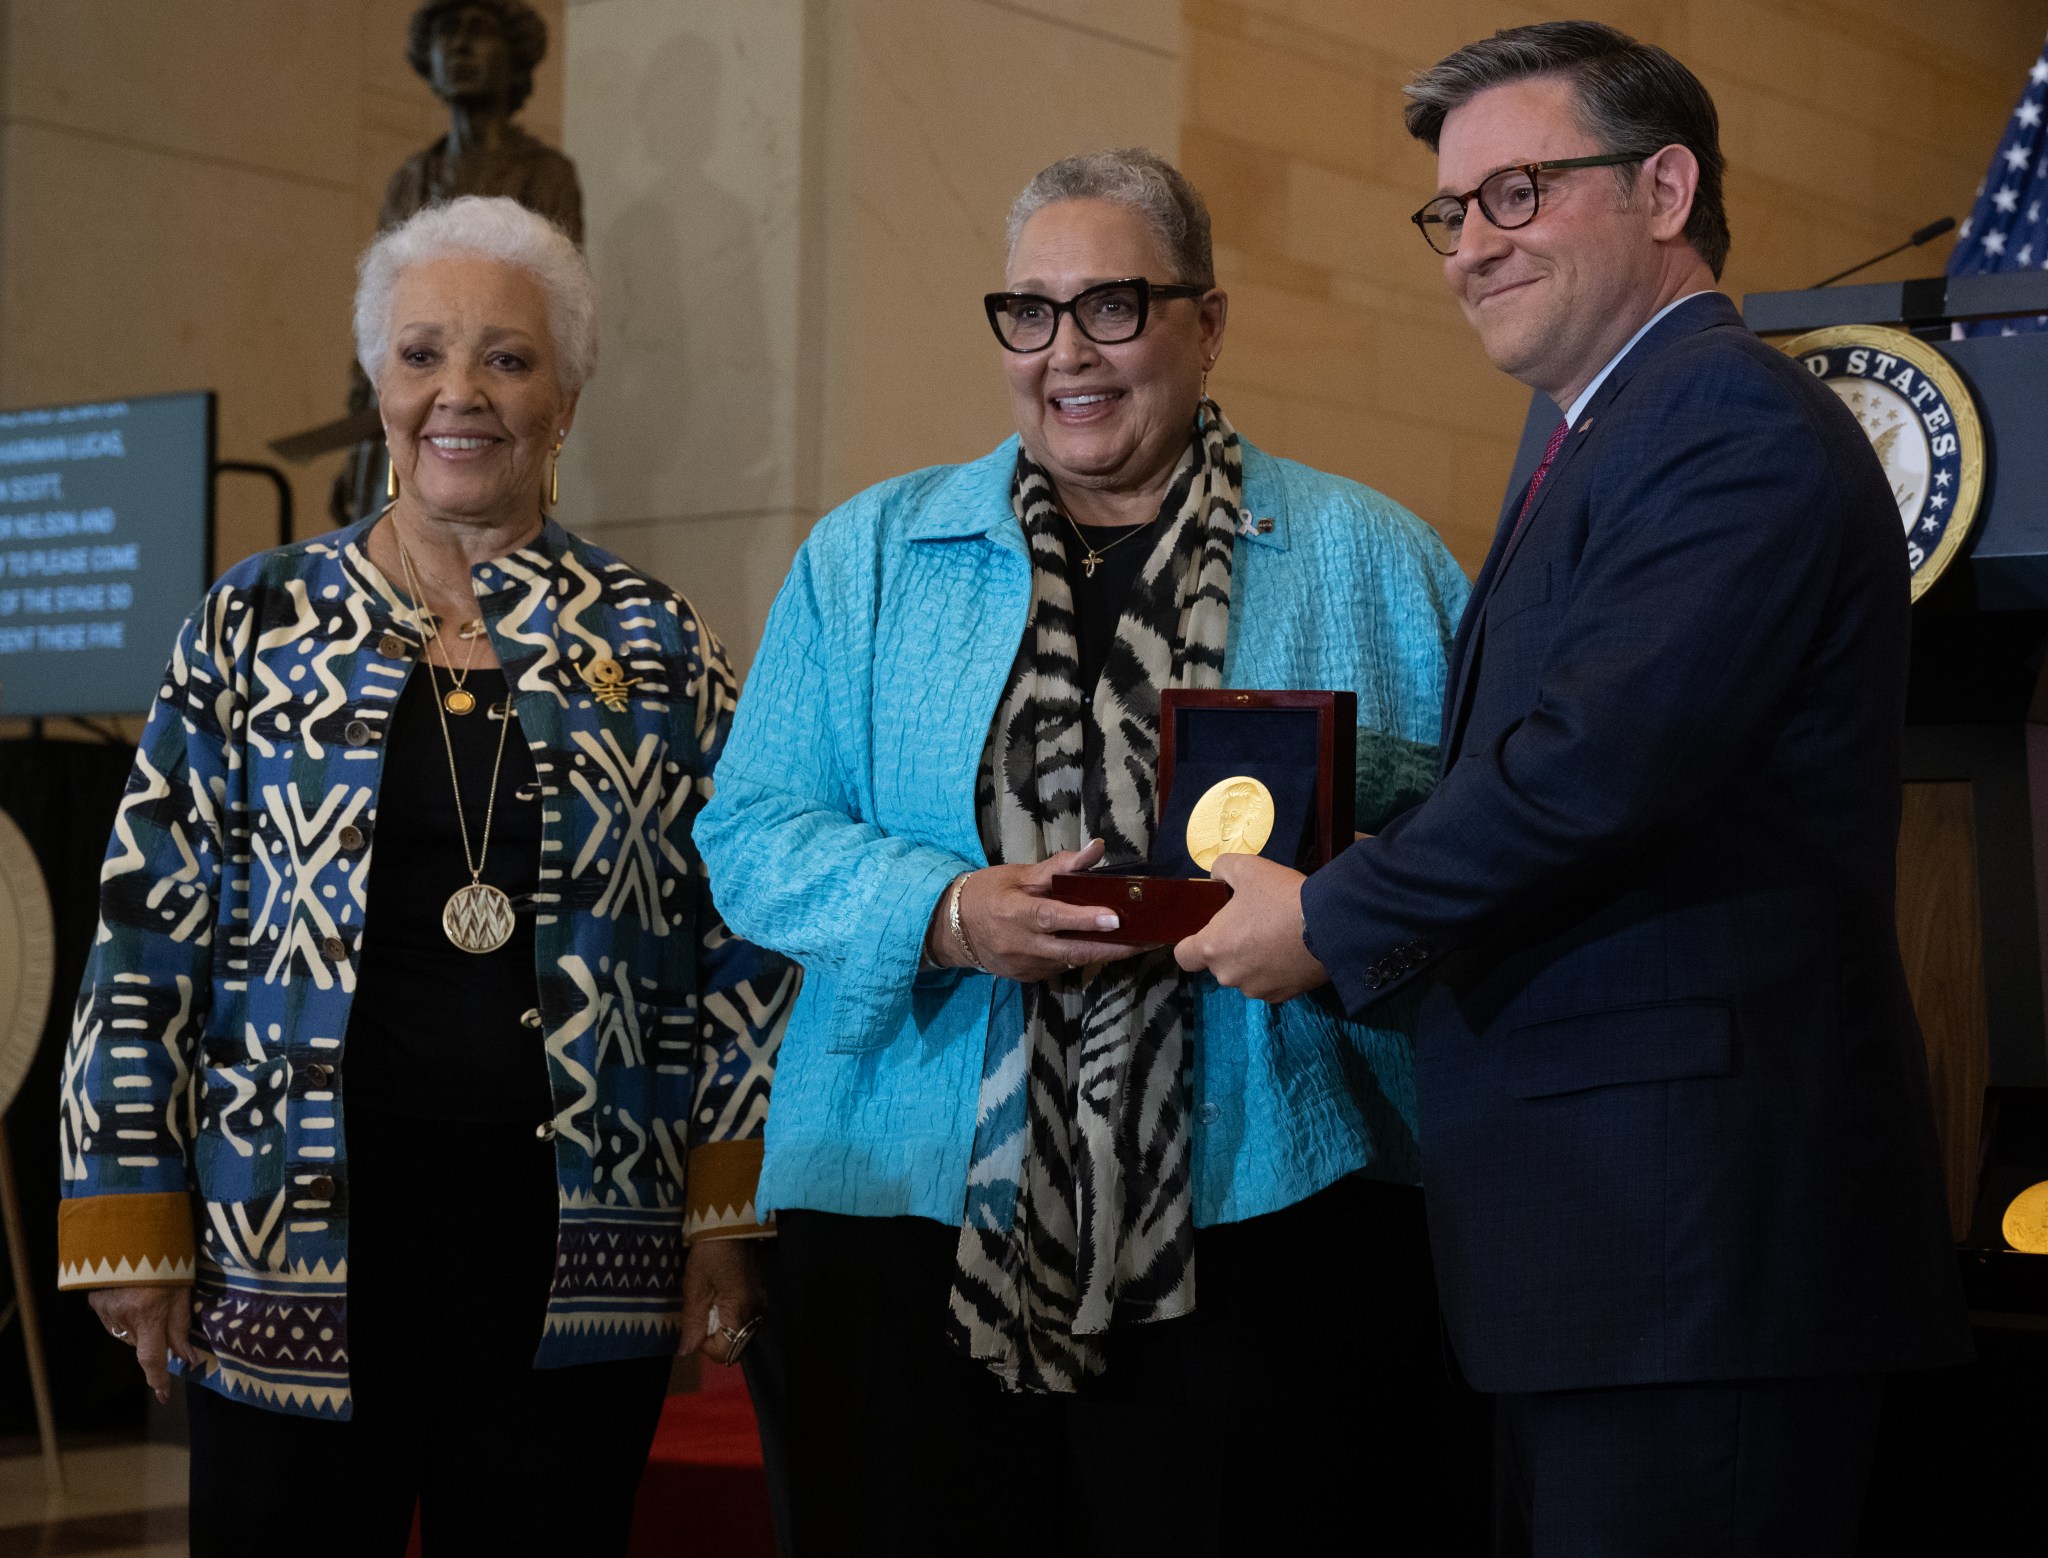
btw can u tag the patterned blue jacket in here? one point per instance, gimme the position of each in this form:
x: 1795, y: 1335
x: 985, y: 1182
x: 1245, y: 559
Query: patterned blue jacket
x: 203, y: 1081
x: 846, y: 804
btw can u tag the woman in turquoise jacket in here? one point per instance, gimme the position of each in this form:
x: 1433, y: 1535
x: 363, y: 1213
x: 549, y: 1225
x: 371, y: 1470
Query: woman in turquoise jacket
x: 1052, y: 1208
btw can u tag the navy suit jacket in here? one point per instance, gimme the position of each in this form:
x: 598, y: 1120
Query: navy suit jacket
x: 1674, y: 1108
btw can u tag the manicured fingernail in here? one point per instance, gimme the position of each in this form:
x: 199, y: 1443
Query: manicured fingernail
x: 1106, y: 922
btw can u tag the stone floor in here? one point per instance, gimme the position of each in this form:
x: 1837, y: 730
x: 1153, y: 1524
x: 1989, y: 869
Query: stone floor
x: 120, y: 1500
x: 124, y: 1495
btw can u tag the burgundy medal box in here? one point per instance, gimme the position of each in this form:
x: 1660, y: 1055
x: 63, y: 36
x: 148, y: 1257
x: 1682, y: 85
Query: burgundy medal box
x: 1301, y: 745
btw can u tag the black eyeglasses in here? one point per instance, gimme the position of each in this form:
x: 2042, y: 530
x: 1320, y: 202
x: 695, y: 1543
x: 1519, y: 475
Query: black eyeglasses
x: 1508, y: 199
x: 1106, y: 314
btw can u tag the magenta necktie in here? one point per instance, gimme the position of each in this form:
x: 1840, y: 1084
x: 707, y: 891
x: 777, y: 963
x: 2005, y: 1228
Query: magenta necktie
x: 1536, y: 482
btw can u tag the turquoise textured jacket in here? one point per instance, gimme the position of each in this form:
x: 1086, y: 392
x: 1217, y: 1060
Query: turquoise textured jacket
x: 845, y: 804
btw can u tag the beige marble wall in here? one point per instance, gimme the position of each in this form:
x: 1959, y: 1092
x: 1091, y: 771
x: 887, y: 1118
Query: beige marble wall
x: 687, y: 123
x: 183, y: 190
x: 795, y: 206
x: 944, y: 111
x: 1847, y: 124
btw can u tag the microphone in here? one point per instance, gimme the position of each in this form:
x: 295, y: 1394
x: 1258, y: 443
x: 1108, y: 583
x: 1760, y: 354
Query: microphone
x: 1927, y: 234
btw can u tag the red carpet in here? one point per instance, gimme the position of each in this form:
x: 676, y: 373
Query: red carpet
x: 703, y: 1494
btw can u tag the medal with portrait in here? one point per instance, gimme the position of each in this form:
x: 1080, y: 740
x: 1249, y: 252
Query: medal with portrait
x: 1234, y: 817
x: 1241, y: 772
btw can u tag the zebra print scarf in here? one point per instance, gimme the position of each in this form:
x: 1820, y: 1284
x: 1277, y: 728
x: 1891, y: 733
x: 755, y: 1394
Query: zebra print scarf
x: 1079, y: 1209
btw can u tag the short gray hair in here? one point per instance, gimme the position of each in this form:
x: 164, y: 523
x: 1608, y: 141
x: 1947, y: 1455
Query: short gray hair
x: 490, y: 227
x: 1145, y: 182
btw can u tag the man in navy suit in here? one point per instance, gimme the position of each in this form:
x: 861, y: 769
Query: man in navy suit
x: 1678, y: 1152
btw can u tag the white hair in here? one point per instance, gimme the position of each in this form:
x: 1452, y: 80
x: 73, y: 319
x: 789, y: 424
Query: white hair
x: 490, y: 227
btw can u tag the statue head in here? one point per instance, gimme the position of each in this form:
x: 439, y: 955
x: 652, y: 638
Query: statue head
x: 477, y: 51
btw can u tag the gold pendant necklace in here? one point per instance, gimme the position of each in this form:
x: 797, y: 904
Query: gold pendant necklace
x: 458, y: 699
x: 477, y: 918
x: 1095, y: 556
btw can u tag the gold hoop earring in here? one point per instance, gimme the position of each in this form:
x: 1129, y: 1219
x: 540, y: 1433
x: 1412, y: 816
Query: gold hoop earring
x: 390, y: 478
x: 555, y: 479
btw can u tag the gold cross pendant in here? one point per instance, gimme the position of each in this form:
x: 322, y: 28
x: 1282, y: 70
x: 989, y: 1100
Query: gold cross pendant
x: 1088, y: 563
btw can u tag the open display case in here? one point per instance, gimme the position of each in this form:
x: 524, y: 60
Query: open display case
x: 1299, y: 746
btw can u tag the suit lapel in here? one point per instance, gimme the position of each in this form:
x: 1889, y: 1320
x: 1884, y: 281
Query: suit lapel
x: 1695, y: 314
x: 1465, y: 645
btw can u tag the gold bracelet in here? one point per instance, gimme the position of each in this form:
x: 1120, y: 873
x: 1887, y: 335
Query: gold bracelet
x: 953, y: 922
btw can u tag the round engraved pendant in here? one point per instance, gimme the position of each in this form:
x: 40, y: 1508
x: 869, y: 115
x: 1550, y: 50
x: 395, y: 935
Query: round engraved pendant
x: 459, y: 701
x: 478, y: 918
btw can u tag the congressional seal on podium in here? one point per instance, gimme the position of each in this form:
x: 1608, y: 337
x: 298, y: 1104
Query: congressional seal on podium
x: 1921, y: 419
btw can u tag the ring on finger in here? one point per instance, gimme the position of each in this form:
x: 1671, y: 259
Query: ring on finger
x: 736, y: 1341
x: 117, y: 1333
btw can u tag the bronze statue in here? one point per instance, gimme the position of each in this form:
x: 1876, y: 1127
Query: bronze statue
x: 479, y: 57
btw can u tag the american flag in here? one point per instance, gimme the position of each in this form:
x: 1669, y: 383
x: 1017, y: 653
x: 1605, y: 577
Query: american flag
x: 2008, y: 227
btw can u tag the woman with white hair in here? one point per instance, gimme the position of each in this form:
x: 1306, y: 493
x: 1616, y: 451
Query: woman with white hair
x: 413, y: 1101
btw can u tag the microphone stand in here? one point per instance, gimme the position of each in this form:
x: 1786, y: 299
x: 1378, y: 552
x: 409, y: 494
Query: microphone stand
x: 1927, y: 234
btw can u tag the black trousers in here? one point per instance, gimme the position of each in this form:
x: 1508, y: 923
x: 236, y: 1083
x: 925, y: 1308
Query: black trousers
x: 1307, y: 1389
x: 1742, y: 1469
x: 448, y: 1408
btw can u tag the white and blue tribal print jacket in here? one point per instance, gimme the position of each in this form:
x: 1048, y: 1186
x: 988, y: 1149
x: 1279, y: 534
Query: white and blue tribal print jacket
x: 204, y: 1133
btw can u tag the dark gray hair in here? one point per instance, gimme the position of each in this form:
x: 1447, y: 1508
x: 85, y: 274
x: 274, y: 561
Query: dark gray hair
x: 1631, y: 97
x: 1140, y: 179
x: 491, y: 227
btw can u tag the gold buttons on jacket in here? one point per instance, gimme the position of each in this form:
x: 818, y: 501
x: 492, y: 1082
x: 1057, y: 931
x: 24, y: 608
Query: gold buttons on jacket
x: 545, y: 1131
x: 321, y: 1187
x: 530, y: 1017
x: 358, y: 733
x: 351, y: 837
x: 392, y: 647
x: 317, y: 1075
x: 333, y: 950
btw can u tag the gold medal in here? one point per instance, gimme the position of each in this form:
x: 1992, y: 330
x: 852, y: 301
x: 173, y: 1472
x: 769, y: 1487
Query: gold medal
x: 2026, y: 1220
x: 458, y: 701
x: 478, y: 918
x: 1234, y: 817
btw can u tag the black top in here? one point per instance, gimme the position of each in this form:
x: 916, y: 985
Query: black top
x: 436, y: 1032
x: 1099, y: 601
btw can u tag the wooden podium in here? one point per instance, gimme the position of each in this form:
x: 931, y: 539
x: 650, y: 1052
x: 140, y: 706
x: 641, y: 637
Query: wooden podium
x: 1973, y: 837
